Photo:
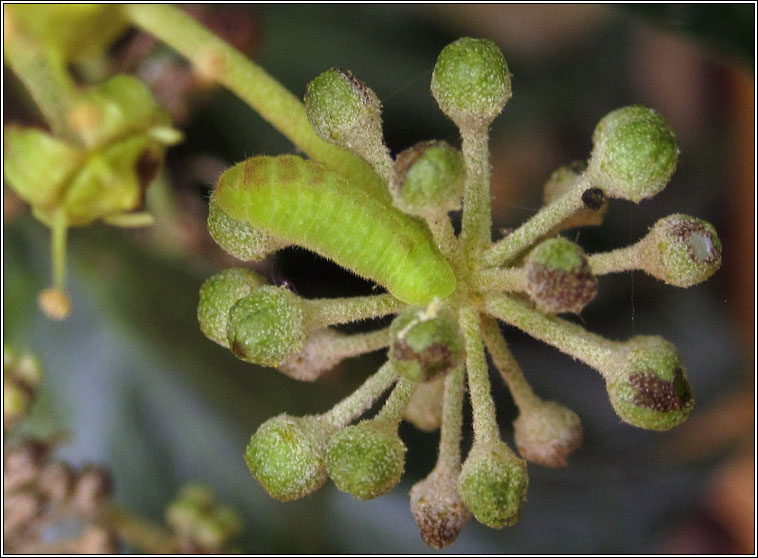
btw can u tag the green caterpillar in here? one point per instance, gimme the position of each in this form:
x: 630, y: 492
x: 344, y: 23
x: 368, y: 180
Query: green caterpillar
x: 305, y: 203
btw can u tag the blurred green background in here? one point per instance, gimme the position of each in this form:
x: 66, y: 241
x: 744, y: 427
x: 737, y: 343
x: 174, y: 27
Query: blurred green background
x: 138, y: 388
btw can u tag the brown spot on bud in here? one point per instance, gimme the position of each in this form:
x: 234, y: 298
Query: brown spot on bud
x: 434, y: 358
x: 659, y: 395
x: 440, y: 526
x: 361, y: 88
x: 556, y: 290
x: 593, y: 198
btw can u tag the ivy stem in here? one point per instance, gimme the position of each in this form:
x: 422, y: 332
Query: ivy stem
x: 477, y: 218
x: 43, y: 72
x: 444, y: 235
x: 509, y: 369
x: 622, y: 259
x: 329, y: 311
x: 217, y: 60
x: 546, y: 218
x: 392, y: 412
x: 508, y: 280
x: 570, y: 338
x: 361, y: 399
x: 358, y: 343
x: 449, y: 458
x: 486, y: 430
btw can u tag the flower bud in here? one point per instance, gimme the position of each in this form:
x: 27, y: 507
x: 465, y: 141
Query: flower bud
x: 238, y: 238
x: 546, y: 433
x: 634, y: 154
x: 366, y: 460
x: 428, y: 179
x: 344, y: 111
x: 438, y: 510
x: 37, y: 165
x: 267, y: 326
x: 286, y: 456
x: 563, y: 180
x: 426, y: 344
x: 493, y: 484
x: 471, y: 81
x: 681, y: 250
x: 114, y: 109
x: 217, y: 296
x: 649, y: 389
x: 559, y: 277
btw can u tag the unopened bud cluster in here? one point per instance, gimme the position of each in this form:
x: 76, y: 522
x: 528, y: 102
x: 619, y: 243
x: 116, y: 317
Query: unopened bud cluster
x: 437, y: 341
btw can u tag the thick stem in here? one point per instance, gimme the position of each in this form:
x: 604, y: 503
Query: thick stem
x: 449, y: 459
x: 506, y: 280
x: 393, y: 409
x: 361, y: 399
x: 347, y: 346
x: 477, y: 217
x: 623, y: 259
x: 546, y: 218
x: 444, y: 235
x: 486, y: 430
x: 329, y: 311
x: 506, y: 364
x: 570, y: 338
x: 221, y: 62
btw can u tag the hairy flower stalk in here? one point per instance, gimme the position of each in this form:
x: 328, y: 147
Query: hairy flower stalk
x: 387, y: 221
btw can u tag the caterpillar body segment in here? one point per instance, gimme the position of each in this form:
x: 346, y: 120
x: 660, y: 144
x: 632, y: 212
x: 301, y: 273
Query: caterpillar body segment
x: 302, y: 202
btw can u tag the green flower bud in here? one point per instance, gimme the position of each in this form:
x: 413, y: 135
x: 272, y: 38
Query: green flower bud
x: 217, y: 296
x: 471, y: 81
x: 428, y: 179
x: 546, y: 433
x: 238, y: 238
x: 493, y: 484
x: 426, y: 344
x: 37, y: 165
x: 681, y: 250
x: 366, y: 460
x: 634, y: 154
x: 650, y: 388
x: 267, y: 326
x: 559, y: 277
x: 342, y: 110
x: 563, y: 180
x: 286, y: 455
x: 113, y: 181
x: 438, y: 510
x: 114, y: 109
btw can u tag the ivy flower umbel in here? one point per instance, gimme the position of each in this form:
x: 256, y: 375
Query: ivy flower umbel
x: 448, y: 291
